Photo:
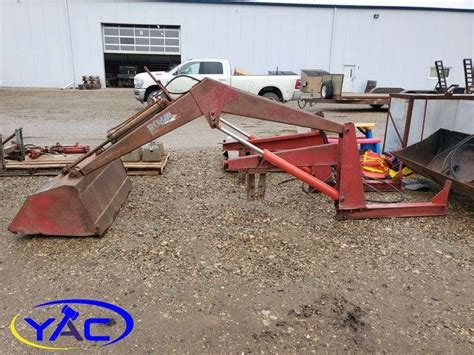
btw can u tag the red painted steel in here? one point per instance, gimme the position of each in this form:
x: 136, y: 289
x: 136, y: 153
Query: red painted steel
x: 209, y: 98
x: 436, y: 207
x: 71, y: 206
x: 359, y: 140
x: 70, y: 149
x: 217, y: 98
x: 320, y: 155
x: 300, y: 174
x: 349, y: 172
x: 290, y: 141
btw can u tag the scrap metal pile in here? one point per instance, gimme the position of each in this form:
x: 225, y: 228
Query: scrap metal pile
x: 85, y: 199
x: 14, y: 148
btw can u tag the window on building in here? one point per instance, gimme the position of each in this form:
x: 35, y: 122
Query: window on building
x: 211, y: 68
x: 434, y: 75
x: 145, y: 39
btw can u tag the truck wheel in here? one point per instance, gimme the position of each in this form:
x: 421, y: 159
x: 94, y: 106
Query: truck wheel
x: 326, y: 90
x: 301, y: 104
x: 152, y: 96
x: 271, y: 96
x: 376, y: 107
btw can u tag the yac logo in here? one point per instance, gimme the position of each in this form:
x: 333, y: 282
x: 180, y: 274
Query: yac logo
x: 68, y: 325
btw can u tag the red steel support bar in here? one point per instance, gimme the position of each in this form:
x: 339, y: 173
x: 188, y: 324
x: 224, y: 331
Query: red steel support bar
x: 319, y: 155
x: 290, y: 141
x: 300, y: 174
x: 436, y: 207
x: 359, y: 140
x: 349, y: 171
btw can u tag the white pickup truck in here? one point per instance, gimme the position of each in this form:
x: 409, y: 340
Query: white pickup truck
x: 276, y: 87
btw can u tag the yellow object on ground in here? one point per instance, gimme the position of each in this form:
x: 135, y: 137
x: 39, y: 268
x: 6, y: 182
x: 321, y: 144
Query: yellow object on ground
x: 365, y: 125
x: 374, y: 165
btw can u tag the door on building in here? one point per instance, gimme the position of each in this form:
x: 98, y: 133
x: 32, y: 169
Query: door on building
x: 128, y: 48
x: 349, y: 77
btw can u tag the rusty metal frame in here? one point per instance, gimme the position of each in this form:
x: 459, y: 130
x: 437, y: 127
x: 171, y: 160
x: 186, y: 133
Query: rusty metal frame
x: 409, y: 113
x: 424, y: 119
x: 390, y: 117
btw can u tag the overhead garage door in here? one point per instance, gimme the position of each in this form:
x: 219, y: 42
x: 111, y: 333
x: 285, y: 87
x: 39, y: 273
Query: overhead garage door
x: 127, y: 48
x: 141, y: 39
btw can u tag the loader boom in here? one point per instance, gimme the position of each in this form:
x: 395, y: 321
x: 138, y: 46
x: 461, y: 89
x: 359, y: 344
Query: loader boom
x: 210, y: 99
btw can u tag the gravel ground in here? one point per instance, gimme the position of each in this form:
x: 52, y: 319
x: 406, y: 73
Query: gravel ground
x: 203, y: 270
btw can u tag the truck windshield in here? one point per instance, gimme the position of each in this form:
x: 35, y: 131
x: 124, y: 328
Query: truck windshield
x: 173, y: 70
x: 189, y: 68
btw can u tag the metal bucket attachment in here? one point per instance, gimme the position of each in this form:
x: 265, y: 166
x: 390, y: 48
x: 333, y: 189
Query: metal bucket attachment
x: 445, y: 155
x: 75, y: 206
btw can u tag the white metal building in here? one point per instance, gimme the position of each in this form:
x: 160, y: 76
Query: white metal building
x: 52, y: 43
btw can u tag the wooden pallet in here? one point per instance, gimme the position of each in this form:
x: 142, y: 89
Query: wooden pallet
x: 142, y: 168
x: 53, y: 165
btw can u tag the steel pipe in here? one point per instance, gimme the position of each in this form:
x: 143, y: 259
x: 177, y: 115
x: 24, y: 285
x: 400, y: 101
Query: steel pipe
x: 235, y: 128
x: 241, y: 140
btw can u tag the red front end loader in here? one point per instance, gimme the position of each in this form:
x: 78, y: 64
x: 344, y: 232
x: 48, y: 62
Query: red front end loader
x: 85, y: 199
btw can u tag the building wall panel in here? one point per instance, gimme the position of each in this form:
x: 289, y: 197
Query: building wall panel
x: 397, y: 49
x: 34, y: 44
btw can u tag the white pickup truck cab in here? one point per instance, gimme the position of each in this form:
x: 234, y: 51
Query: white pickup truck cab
x: 276, y: 87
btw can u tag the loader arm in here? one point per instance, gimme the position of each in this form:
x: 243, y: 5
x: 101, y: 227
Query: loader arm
x: 210, y: 99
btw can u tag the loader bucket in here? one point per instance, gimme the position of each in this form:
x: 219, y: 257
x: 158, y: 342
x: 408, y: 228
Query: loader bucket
x: 75, y: 206
x: 430, y: 157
